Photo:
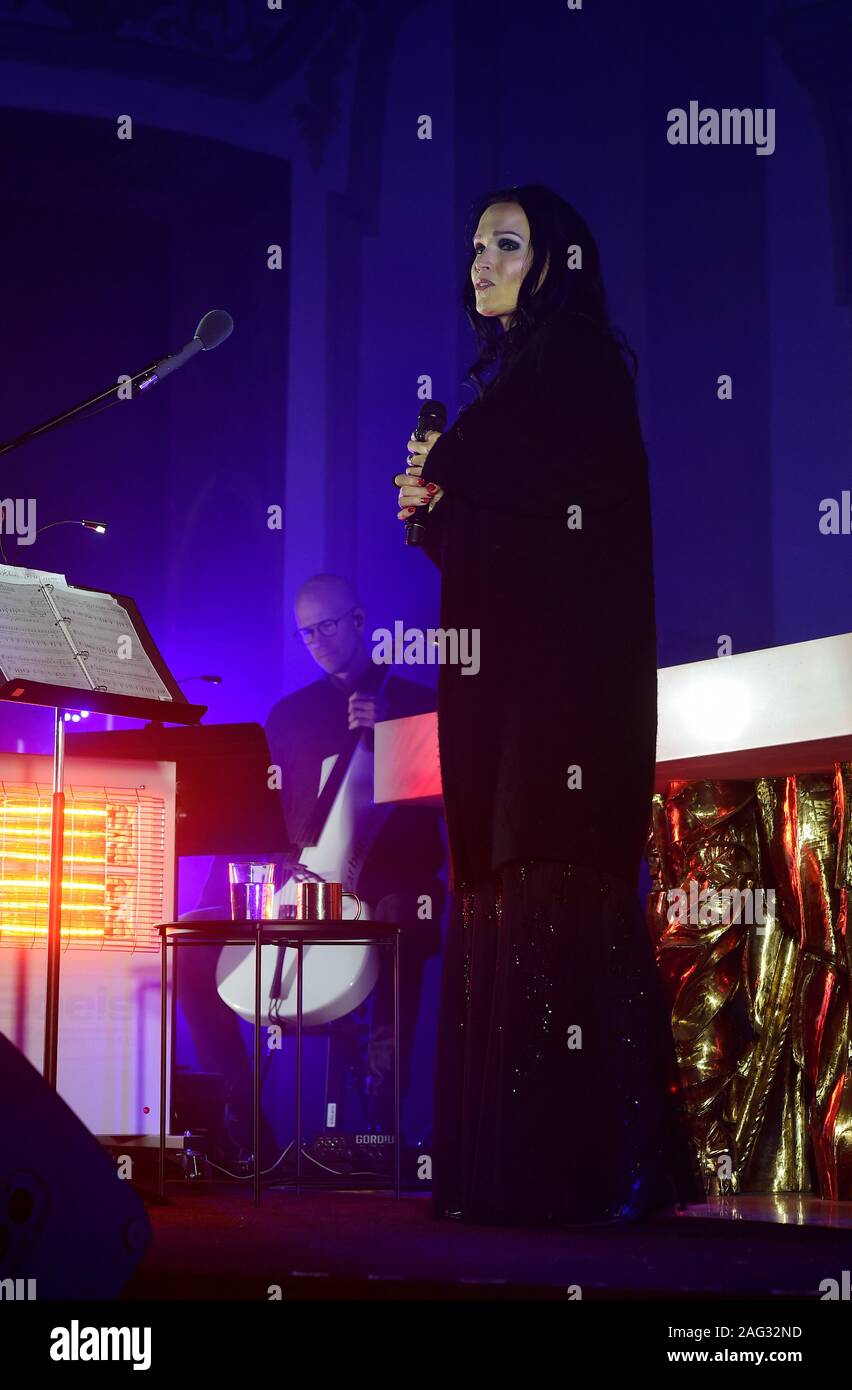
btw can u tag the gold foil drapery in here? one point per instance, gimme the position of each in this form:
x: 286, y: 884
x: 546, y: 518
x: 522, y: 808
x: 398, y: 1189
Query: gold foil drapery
x: 748, y: 913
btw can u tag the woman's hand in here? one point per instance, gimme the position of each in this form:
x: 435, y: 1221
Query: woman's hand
x: 413, y: 493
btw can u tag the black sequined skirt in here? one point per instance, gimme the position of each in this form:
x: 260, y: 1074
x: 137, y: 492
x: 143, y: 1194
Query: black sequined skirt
x: 557, y: 1096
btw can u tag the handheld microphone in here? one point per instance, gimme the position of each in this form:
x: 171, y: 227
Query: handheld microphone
x: 433, y: 416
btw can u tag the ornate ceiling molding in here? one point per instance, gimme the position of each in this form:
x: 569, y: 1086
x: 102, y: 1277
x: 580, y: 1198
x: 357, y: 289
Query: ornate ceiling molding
x: 233, y: 48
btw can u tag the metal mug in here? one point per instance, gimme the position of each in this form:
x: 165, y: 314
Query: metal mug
x: 322, y: 902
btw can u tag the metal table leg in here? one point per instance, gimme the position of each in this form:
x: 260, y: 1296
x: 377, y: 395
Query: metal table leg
x: 396, y: 1115
x: 299, y: 969
x: 164, y: 976
x: 257, y: 959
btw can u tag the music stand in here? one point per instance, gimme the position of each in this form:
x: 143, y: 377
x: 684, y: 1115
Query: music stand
x: 28, y: 690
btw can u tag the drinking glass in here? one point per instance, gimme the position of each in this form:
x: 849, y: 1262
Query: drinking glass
x: 252, y: 891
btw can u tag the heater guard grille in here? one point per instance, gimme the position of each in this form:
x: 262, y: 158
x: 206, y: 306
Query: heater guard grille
x: 113, y: 872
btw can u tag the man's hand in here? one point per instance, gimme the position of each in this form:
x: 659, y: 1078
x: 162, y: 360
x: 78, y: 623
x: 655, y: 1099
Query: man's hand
x: 413, y: 493
x: 365, y: 711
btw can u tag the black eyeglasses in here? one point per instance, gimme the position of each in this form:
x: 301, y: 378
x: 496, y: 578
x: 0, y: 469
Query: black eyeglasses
x: 327, y: 627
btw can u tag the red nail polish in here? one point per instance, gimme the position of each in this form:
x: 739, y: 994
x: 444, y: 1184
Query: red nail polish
x: 431, y: 487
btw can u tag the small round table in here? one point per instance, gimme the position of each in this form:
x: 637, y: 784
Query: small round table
x: 296, y: 935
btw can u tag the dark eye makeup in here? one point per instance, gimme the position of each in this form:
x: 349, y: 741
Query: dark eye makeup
x: 504, y: 243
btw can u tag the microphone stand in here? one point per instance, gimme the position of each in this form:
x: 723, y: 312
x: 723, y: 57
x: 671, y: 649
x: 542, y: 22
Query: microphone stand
x: 67, y: 415
x: 214, y: 328
x: 57, y: 817
x: 163, y: 367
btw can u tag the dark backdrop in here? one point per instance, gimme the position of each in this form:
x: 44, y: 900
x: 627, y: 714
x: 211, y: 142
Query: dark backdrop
x: 112, y: 252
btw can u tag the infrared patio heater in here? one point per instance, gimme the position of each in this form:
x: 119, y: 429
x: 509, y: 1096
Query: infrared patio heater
x: 117, y: 884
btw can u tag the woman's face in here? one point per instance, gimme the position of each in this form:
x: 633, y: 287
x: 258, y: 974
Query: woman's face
x: 502, y: 257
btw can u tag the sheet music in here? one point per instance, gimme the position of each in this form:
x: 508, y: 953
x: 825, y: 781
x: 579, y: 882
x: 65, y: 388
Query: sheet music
x: 97, y: 622
x: 31, y: 645
x: 19, y: 574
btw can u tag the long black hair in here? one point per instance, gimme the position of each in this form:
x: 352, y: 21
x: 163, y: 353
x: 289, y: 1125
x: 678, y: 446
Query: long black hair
x: 556, y: 229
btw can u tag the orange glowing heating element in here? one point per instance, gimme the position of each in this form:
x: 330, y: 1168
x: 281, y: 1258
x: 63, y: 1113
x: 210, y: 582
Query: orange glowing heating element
x: 112, y: 881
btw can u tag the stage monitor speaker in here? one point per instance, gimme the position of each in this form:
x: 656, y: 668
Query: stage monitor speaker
x: 70, y: 1227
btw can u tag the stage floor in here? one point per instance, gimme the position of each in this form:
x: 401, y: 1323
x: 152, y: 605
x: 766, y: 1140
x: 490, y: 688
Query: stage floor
x: 211, y: 1243
x: 783, y: 1208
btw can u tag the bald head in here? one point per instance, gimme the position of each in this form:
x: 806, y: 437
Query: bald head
x: 325, y: 598
x: 332, y: 587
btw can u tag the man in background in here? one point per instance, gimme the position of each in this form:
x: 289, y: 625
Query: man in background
x: 402, y: 864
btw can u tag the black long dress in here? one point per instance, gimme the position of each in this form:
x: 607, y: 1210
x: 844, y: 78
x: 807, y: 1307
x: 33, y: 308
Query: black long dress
x: 556, y: 1083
